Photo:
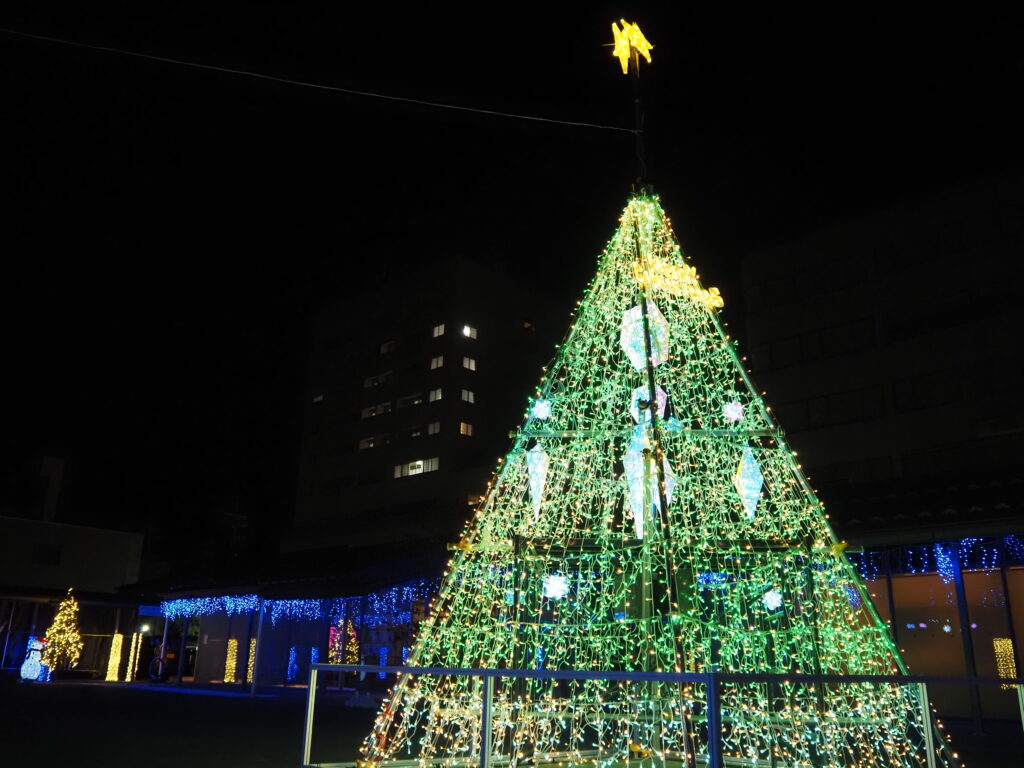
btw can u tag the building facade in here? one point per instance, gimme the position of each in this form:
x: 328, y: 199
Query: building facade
x: 414, y: 386
x: 889, y: 351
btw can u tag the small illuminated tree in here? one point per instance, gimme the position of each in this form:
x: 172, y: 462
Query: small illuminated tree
x: 63, y: 640
x: 336, y: 643
x: 351, y: 643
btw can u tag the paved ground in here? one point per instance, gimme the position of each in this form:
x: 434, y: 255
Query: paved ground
x: 71, y: 724
x: 151, y: 726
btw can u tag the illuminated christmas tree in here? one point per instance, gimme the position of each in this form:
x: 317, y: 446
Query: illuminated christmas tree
x: 351, y: 643
x: 651, y: 517
x: 343, y: 643
x: 63, y: 640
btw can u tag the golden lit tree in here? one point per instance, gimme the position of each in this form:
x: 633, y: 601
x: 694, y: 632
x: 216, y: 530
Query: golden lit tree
x: 63, y: 640
x: 351, y: 643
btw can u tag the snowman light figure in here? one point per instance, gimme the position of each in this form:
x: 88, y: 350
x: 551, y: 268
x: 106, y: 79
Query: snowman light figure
x: 32, y: 668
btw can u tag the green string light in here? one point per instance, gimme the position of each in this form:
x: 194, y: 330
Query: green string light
x: 673, y: 535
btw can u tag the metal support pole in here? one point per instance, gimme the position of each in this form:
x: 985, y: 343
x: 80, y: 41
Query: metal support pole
x: 926, y: 723
x: 256, y: 653
x: 714, y: 714
x: 248, y: 646
x: 973, y: 694
x: 161, y: 665
x: 1020, y: 703
x: 893, y: 625
x: 7, y: 638
x: 1018, y: 657
x: 181, y: 649
x: 486, y: 702
x: 307, y: 730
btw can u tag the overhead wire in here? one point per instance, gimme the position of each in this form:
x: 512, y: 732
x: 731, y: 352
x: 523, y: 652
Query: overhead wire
x: 307, y: 84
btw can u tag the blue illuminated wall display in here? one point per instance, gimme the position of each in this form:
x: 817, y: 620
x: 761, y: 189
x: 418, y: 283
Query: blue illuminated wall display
x: 386, y: 607
x: 293, y: 663
x: 974, y: 554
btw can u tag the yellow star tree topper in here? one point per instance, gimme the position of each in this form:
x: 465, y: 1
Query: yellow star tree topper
x: 630, y: 43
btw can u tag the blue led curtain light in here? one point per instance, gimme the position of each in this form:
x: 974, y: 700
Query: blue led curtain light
x: 974, y: 553
x: 293, y: 663
x: 186, y: 607
x: 386, y: 607
x: 944, y: 563
x: 393, y: 606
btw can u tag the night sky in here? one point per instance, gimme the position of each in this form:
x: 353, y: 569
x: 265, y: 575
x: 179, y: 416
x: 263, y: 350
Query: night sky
x: 168, y: 231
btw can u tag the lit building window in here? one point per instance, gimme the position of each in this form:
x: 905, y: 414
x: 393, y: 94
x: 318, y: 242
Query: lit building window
x: 417, y: 467
x: 436, y: 362
x: 386, y: 347
x: 376, y: 410
x: 469, y: 363
x: 469, y: 331
x: 438, y: 330
x: 467, y: 396
x: 376, y: 441
x: 435, y: 395
x: 377, y: 380
x: 465, y: 428
x: 414, y: 399
x: 433, y: 427
x: 318, y: 398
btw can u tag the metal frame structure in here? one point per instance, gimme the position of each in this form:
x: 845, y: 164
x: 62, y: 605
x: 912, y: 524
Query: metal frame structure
x: 712, y: 681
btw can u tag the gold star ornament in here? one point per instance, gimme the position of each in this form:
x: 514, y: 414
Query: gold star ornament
x: 630, y: 43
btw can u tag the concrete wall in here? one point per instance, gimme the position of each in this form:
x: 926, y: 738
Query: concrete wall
x: 47, y: 555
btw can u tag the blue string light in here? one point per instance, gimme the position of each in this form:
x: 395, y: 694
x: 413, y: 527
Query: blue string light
x: 187, y: 607
x: 977, y: 553
x: 853, y: 595
x: 1013, y: 548
x: 293, y: 663
x: 944, y: 563
x: 866, y: 563
x: 386, y: 607
x: 295, y: 610
x: 919, y: 559
x: 712, y: 579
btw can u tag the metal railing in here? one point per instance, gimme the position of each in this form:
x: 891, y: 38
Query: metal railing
x: 711, y: 680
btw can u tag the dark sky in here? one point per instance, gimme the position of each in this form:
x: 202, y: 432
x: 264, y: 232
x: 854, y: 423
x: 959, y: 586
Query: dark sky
x: 168, y: 230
